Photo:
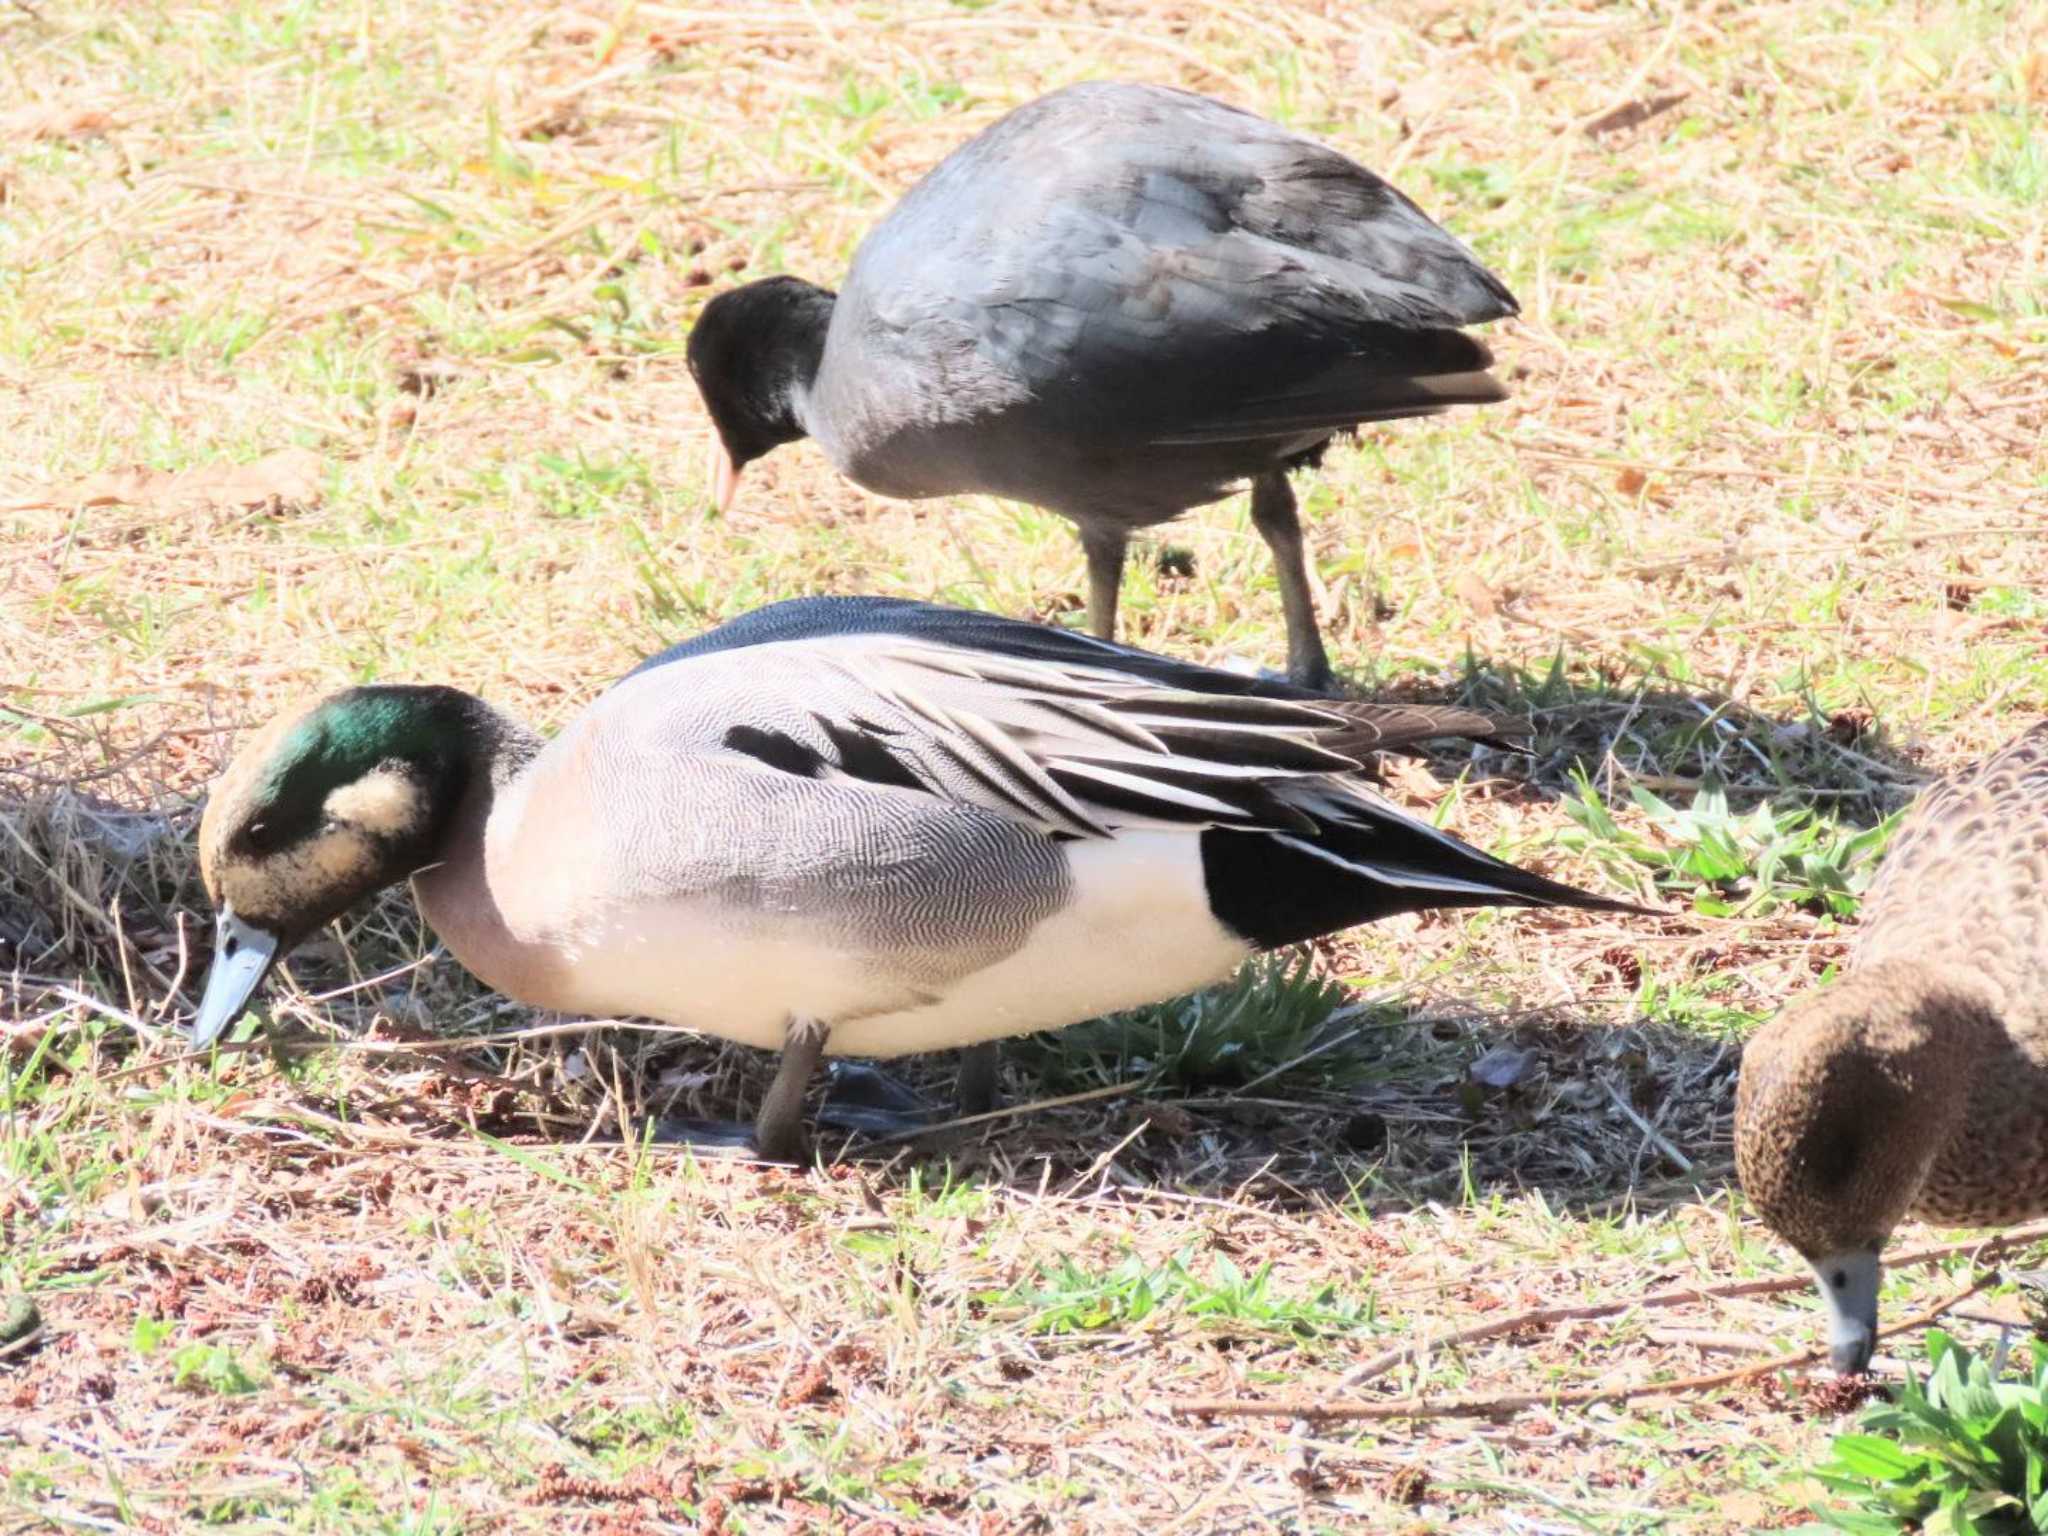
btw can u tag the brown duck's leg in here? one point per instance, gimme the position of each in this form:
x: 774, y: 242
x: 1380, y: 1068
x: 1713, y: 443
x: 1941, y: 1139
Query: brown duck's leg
x: 975, y: 1087
x: 1105, y: 550
x: 779, y: 1127
x: 1274, y: 516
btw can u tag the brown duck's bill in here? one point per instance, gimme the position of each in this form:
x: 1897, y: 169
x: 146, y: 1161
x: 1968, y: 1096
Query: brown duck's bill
x: 242, y: 957
x: 723, y: 474
x: 1848, y: 1284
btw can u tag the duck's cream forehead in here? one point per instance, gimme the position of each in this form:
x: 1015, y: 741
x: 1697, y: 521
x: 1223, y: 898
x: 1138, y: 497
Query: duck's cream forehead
x: 228, y: 802
x: 339, y: 853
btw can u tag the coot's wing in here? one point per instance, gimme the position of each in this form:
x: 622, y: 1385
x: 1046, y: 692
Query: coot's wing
x: 1176, y: 269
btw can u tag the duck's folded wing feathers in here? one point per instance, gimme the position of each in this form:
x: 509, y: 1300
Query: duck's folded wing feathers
x: 1079, y: 752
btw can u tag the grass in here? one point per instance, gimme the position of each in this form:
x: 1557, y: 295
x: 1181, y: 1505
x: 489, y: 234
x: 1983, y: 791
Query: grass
x: 1759, y: 543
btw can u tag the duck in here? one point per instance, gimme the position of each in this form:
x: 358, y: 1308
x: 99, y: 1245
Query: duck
x: 1118, y: 302
x: 844, y: 826
x: 1916, y: 1084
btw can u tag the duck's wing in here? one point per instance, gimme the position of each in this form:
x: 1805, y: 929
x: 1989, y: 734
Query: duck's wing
x: 1075, y: 751
x: 1088, y: 753
x: 847, y: 618
x: 913, y: 712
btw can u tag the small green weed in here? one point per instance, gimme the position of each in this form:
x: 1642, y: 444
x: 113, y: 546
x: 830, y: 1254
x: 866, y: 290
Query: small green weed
x: 1271, y: 1013
x: 1961, y: 1453
x: 210, y: 1368
x: 149, y: 1334
x: 1734, y: 863
x: 1065, y: 1297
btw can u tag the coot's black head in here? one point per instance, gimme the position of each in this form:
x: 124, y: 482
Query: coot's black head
x: 754, y: 349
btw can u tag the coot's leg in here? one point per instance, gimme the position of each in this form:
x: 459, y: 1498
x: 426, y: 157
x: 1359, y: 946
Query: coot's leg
x: 975, y: 1088
x: 1273, y: 515
x: 779, y: 1127
x: 1104, y: 547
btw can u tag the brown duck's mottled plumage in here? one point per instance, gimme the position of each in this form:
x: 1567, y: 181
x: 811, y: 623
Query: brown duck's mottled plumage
x: 1966, y: 881
x: 1918, y: 1085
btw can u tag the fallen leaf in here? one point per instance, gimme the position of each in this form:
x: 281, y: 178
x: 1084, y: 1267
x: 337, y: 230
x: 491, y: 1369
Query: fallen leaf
x: 1632, y: 114
x: 1630, y: 481
x: 29, y: 124
x: 289, y: 477
x: 577, y: 27
x: 1476, y: 594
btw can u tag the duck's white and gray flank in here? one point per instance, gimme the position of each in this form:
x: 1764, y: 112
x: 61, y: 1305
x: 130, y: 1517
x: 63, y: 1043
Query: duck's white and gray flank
x: 848, y: 825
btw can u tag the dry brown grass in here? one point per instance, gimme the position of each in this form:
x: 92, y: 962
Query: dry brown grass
x: 1772, y: 497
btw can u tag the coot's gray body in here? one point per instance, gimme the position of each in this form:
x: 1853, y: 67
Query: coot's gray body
x: 1118, y: 302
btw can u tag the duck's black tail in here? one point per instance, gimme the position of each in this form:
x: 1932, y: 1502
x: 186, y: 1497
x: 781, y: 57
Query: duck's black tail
x: 1365, y: 861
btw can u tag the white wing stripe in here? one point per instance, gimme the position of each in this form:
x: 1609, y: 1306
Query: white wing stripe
x: 1412, y: 880
x: 1155, y: 789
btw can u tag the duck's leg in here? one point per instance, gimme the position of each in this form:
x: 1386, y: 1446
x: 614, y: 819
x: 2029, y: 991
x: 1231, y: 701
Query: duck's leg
x: 1104, y: 547
x: 974, y: 1090
x: 779, y: 1127
x: 1273, y: 514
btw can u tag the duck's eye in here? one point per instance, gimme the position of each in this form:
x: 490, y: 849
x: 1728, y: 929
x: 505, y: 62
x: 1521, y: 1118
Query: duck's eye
x: 264, y: 836
x: 1839, y: 1279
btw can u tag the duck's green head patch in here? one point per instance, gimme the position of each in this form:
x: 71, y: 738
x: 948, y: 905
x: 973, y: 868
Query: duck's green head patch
x: 330, y: 802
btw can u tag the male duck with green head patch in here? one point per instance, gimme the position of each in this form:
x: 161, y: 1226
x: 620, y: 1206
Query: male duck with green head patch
x: 846, y: 825
x: 1918, y: 1084
x: 322, y: 807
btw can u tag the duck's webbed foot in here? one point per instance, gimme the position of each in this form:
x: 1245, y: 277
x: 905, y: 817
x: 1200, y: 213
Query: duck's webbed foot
x: 876, y: 1103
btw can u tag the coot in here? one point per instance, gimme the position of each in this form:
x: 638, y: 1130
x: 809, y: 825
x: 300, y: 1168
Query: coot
x: 1118, y: 302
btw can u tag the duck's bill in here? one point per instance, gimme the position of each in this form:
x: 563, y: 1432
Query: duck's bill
x: 1848, y: 1284
x: 242, y: 957
x: 723, y: 474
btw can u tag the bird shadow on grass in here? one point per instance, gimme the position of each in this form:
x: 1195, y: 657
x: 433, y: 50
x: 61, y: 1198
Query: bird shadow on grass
x: 1284, y: 1088
x: 1601, y: 727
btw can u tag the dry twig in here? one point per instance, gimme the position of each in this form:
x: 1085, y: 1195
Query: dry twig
x: 1544, y: 1317
x: 1503, y: 1404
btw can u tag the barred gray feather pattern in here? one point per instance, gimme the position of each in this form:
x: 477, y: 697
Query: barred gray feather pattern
x: 940, y: 890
